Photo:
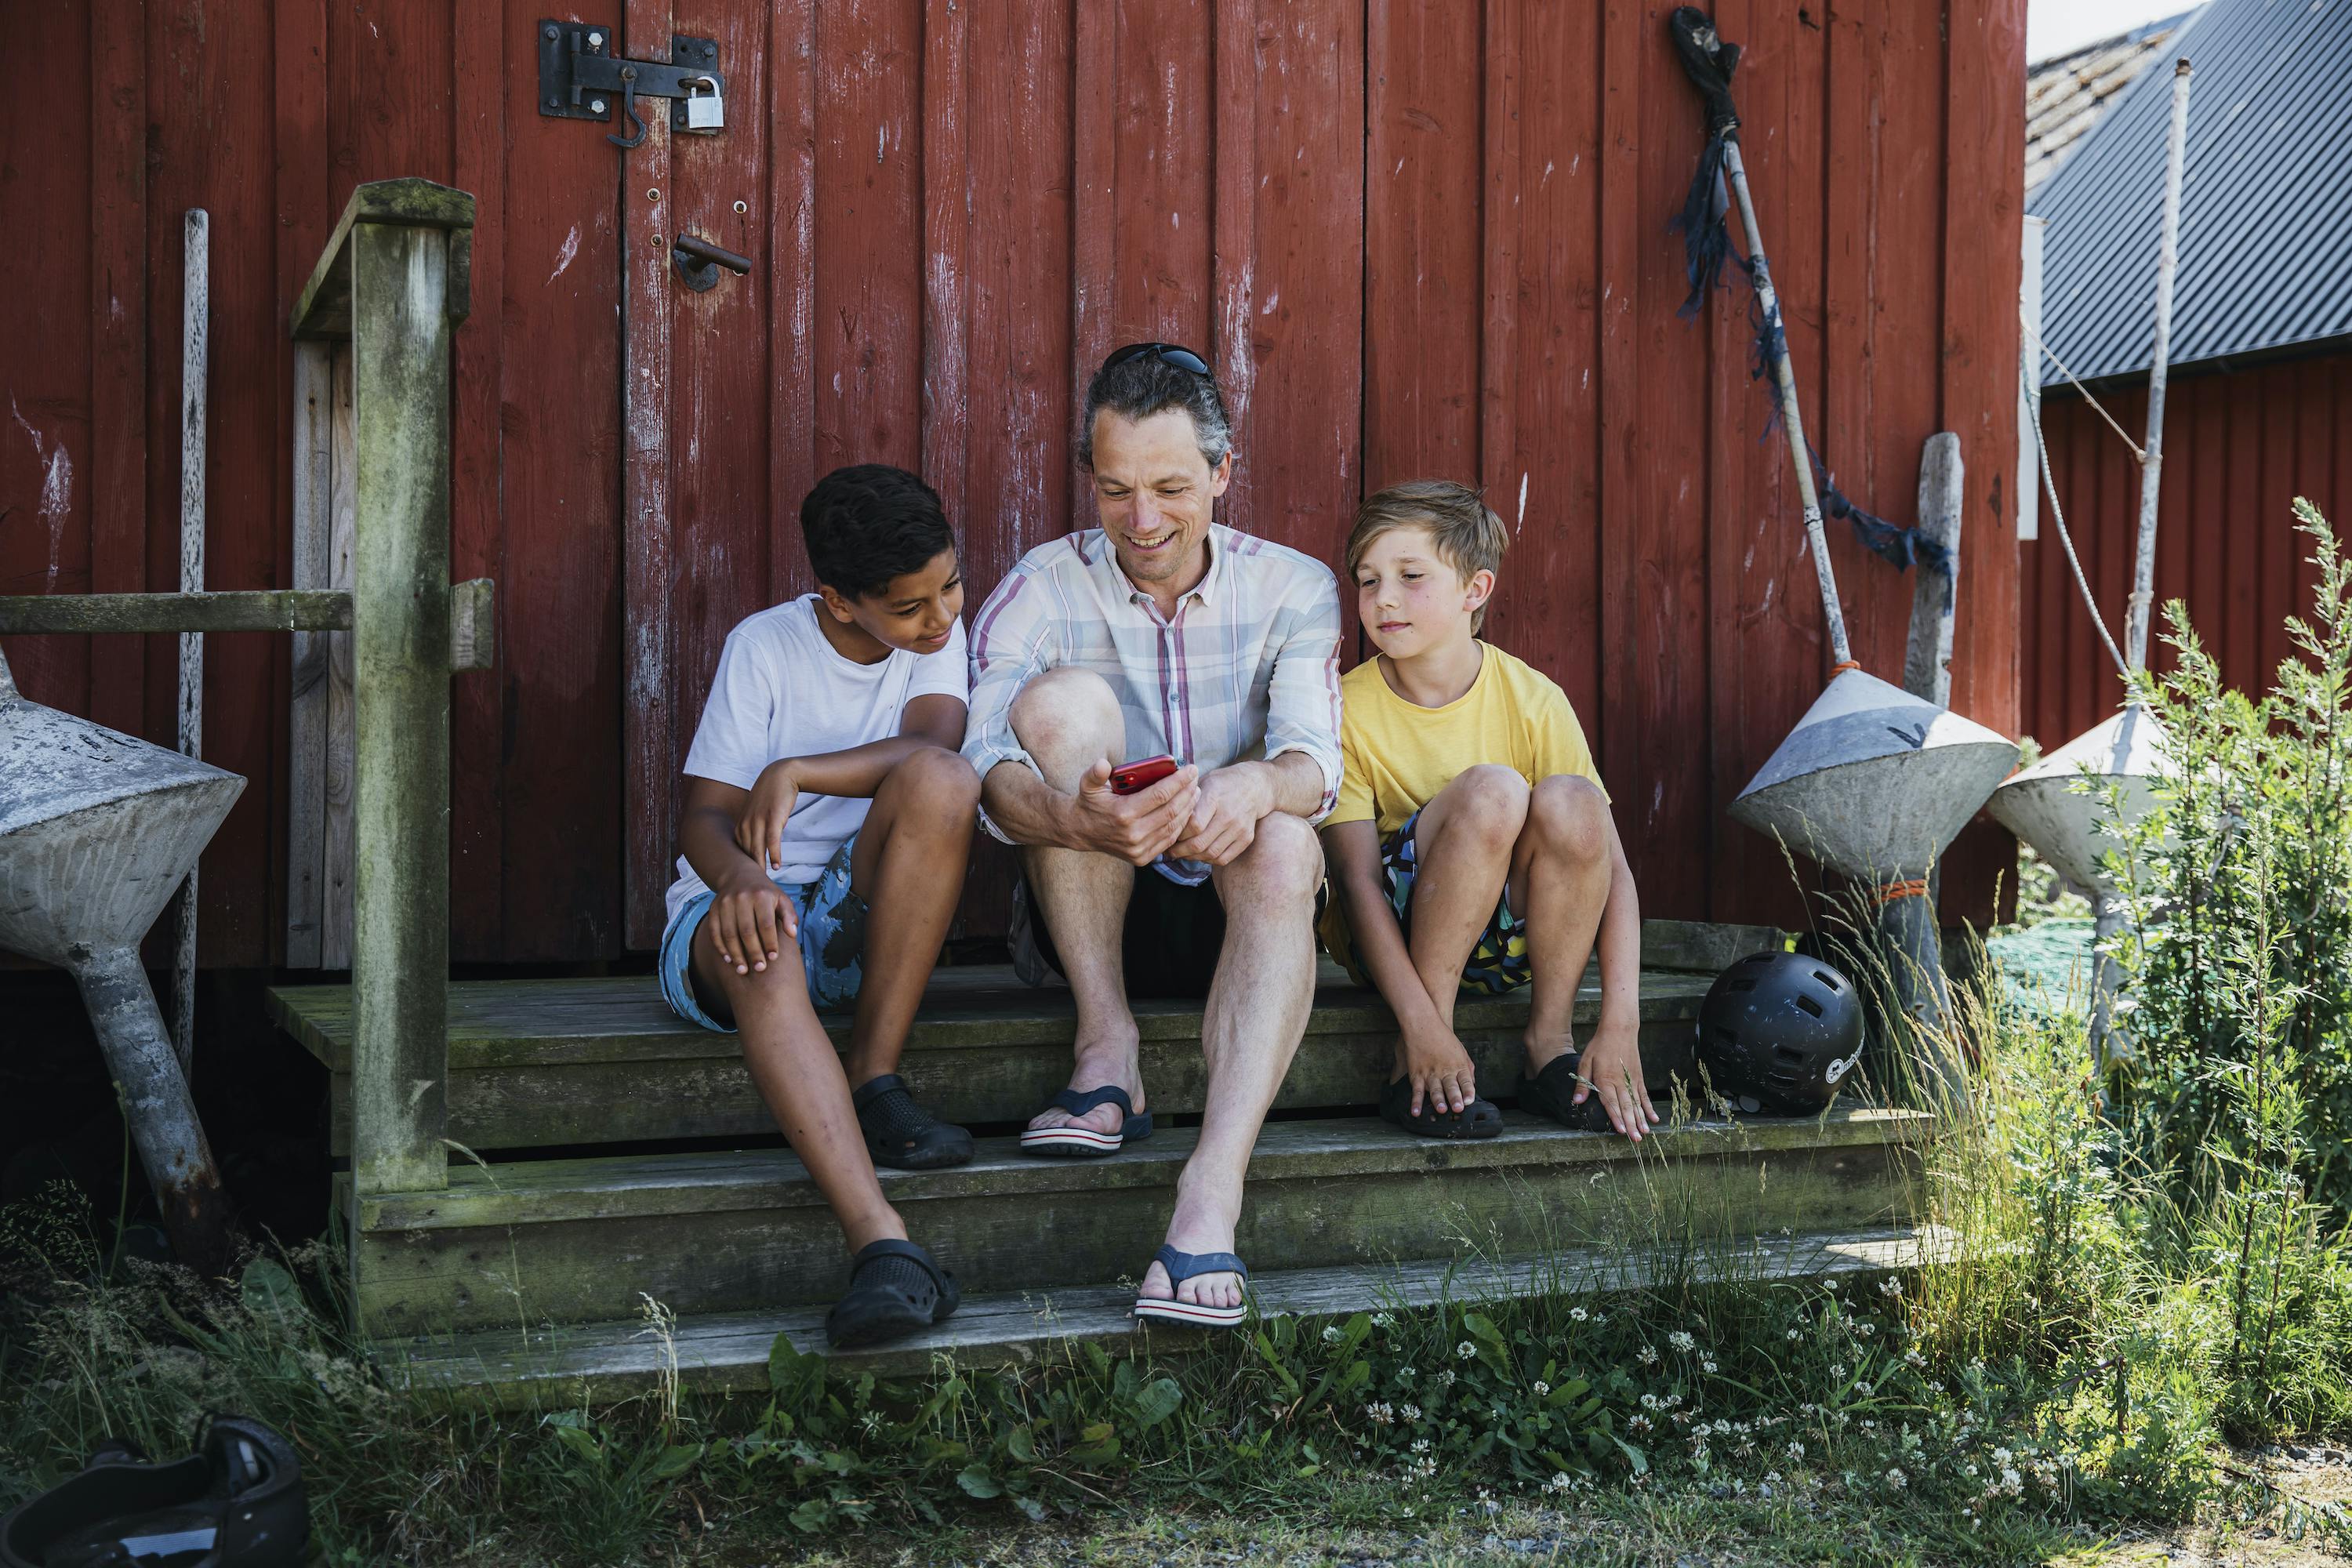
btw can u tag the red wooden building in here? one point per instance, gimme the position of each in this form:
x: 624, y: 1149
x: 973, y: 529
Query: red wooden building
x: 2259, y: 409
x: 1416, y: 236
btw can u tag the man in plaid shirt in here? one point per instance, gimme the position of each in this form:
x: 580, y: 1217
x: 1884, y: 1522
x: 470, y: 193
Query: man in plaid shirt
x: 1160, y: 633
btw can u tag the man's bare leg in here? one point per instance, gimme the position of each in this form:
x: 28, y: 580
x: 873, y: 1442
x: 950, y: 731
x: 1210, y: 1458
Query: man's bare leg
x: 1068, y: 719
x: 793, y: 1062
x: 1560, y: 885
x: 1463, y: 845
x: 1257, y: 1010
x: 907, y: 865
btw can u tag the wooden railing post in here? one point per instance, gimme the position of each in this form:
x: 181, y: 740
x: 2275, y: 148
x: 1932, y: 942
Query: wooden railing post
x: 393, y: 280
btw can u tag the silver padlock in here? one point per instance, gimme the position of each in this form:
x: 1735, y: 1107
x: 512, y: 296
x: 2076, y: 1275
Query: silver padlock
x: 707, y: 115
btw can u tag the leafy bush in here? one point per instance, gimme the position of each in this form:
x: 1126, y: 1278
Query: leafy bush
x: 2238, y: 887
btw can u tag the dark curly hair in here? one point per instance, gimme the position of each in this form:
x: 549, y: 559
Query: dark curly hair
x: 869, y: 524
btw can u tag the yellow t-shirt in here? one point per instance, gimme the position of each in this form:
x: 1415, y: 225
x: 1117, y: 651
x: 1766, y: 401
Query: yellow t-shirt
x: 1397, y: 755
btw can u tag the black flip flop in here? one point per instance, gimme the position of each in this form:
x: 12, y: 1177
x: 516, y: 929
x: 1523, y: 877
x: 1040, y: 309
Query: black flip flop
x: 1070, y: 1141
x: 895, y: 1290
x: 900, y: 1133
x: 1551, y: 1094
x: 1480, y: 1119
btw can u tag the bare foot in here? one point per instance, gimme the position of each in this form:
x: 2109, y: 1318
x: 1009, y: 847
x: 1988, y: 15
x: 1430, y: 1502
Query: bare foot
x: 1196, y: 1230
x: 1106, y: 1058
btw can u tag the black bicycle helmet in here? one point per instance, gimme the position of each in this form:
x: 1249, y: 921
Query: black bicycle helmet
x: 1779, y: 1031
x: 237, y: 1503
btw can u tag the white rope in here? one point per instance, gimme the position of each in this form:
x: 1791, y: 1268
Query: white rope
x: 2138, y: 452
x: 2050, y: 489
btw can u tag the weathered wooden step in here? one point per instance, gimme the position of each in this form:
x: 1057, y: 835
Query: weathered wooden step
x: 579, y: 1240
x: 553, y: 1063
x: 728, y: 1351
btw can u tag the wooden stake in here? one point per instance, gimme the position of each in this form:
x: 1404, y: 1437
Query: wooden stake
x: 194, y: 320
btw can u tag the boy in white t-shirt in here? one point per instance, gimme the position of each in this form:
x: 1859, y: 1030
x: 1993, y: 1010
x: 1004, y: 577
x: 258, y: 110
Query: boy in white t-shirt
x: 829, y: 815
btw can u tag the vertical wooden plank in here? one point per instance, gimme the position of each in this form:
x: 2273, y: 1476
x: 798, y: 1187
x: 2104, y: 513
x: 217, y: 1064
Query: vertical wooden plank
x: 483, y: 35
x: 1094, y: 328
x: 1162, y: 151
x: 566, y: 709
x: 2250, y: 487
x: 118, y: 341
x: 305, y: 724
x: 945, y: 118
x: 650, y: 726
x: 1984, y: 179
x: 722, y: 534
x: 196, y: 348
x: 1501, y: 232
x: 791, y: 219
x: 1423, y: 287
x: 2178, y: 509
x: 1290, y: 261
x: 1232, y: 156
x: 400, y: 636
x: 1615, y: 729
x: 339, y: 858
x: 2210, y: 494
x: 1542, y: 471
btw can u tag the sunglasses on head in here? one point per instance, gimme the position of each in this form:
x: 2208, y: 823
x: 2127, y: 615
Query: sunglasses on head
x: 1166, y: 353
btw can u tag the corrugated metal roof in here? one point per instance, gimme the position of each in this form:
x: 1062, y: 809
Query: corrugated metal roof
x: 2067, y: 94
x: 2266, y: 203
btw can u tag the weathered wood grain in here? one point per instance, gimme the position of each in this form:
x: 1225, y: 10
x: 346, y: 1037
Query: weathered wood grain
x: 118, y: 341
x: 306, y: 720
x: 324, y: 309
x: 400, y: 641
x: 726, y: 1352
x: 580, y: 1240
x: 339, y: 879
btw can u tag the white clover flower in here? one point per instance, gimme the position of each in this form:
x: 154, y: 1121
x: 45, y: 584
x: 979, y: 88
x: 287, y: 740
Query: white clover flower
x: 1575, y: 1315
x: 1560, y: 1482
x: 1772, y: 1476
x: 1837, y: 1369
x: 1638, y: 1423
x: 1379, y: 1414
x: 2001, y: 1456
x: 1409, y: 1412
x: 2012, y: 1483
x: 1969, y: 1468
x: 1647, y: 1356
x: 1331, y: 1336
x: 1600, y: 1317
x: 1542, y: 1388
x: 1707, y: 1367
x: 1446, y: 1377
x: 1672, y: 1400
x: 1890, y: 1286
x: 1649, y: 1401
x: 1407, y: 1373
x: 1831, y: 1283
x: 1382, y: 1321
x: 1795, y: 1450
x: 1794, y: 1334
x: 1680, y: 1341
x: 1913, y: 1357
x: 1465, y: 1349
x: 1421, y: 1445
x: 1896, y: 1480
x: 1862, y: 1390
x: 1866, y: 1328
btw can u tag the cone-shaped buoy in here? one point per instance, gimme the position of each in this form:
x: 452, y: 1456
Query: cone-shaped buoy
x: 1874, y: 783
x: 97, y: 828
x: 2045, y: 807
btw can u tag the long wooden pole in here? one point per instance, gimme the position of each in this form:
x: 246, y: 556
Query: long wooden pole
x: 1784, y: 376
x: 2151, y: 466
x: 194, y: 359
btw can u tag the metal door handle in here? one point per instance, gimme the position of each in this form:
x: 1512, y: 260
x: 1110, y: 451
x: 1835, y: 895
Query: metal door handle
x: 698, y: 261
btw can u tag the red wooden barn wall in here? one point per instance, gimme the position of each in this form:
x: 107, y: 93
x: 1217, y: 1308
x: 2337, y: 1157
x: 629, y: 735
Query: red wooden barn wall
x: 1417, y: 237
x: 2239, y: 448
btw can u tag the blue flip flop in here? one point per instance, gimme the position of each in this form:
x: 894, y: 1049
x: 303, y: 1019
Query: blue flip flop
x: 1182, y: 1266
x: 1084, y: 1143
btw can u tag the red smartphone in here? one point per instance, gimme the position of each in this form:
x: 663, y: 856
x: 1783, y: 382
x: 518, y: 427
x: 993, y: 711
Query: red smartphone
x: 1129, y: 777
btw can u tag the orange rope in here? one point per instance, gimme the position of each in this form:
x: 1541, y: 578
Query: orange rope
x: 1842, y: 666
x: 1894, y: 891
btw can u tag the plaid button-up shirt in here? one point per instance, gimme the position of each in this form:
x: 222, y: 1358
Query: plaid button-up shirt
x: 1246, y: 669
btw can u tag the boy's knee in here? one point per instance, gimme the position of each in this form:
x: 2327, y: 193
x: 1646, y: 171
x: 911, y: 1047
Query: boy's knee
x: 940, y: 779
x: 1489, y: 800
x: 1068, y: 708
x: 1573, y: 815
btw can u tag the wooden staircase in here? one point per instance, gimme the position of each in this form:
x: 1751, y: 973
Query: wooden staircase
x: 622, y: 1154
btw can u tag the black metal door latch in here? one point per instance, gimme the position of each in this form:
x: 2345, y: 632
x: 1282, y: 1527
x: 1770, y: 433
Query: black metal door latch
x: 698, y: 261
x: 580, y: 79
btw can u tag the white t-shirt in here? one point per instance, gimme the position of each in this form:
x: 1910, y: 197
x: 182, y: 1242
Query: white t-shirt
x: 781, y: 690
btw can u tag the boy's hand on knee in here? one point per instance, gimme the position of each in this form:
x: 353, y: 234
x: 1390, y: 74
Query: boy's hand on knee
x: 749, y: 925
x: 1439, y: 1067
x: 1612, y: 1069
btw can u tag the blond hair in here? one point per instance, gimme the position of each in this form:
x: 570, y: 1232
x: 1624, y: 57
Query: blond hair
x: 1464, y: 530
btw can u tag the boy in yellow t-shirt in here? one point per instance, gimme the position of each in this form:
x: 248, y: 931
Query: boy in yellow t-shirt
x: 1472, y: 847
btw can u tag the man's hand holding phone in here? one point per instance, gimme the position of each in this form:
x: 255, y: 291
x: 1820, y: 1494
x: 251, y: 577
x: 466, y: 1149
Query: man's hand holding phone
x: 1139, y: 824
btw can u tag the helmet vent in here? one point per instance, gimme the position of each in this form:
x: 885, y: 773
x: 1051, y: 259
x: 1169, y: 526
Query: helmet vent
x: 1726, y: 1036
x: 1810, y: 1005
x: 1826, y: 978
x: 1788, y: 1054
x: 1742, y: 983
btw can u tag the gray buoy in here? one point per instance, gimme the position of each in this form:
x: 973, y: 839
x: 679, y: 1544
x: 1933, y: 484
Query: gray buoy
x: 97, y: 829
